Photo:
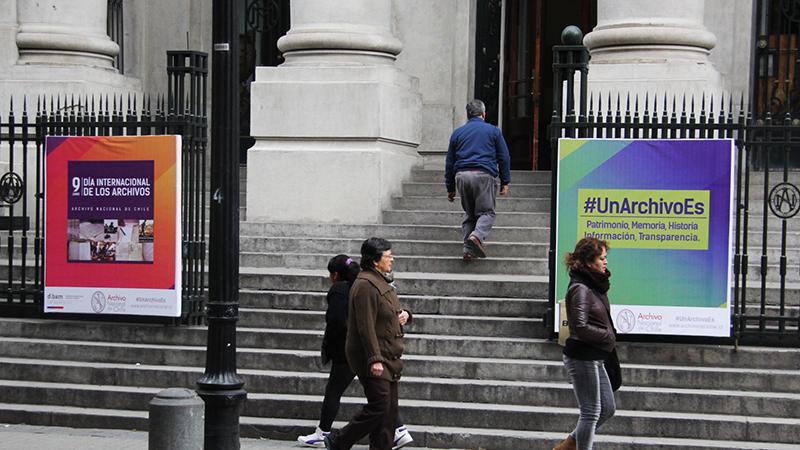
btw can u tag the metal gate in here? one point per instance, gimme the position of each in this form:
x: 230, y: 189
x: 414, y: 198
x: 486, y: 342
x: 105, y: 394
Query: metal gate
x: 22, y: 137
x: 766, y: 266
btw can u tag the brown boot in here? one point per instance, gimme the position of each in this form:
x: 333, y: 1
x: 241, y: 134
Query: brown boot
x: 567, y: 444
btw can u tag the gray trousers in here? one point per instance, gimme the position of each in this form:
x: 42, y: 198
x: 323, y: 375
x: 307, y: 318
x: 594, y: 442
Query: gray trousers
x: 478, y: 192
x: 595, y: 398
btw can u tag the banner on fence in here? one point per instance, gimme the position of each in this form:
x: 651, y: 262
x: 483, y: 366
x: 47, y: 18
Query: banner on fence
x: 112, y: 225
x: 665, y: 208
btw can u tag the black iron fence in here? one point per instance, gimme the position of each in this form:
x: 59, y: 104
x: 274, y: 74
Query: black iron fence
x: 22, y: 139
x: 766, y: 266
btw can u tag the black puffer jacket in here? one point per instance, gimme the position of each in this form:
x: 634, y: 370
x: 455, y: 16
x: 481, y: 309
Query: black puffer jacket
x: 336, y: 323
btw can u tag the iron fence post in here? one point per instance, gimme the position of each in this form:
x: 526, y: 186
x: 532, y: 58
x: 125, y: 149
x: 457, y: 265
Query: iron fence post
x: 567, y: 59
x: 220, y: 387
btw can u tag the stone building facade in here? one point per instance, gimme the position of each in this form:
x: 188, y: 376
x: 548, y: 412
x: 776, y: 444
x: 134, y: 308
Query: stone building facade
x: 357, y: 92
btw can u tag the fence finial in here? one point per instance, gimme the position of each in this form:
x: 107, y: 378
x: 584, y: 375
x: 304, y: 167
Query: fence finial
x: 741, y: 103
x: 571, y: 35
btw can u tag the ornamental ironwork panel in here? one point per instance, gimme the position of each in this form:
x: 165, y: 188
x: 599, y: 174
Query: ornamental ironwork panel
x: 766, y: 263
x: 23, y: 130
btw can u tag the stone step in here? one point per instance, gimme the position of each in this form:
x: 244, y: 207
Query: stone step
x: 414, y: 283
x: 352, y: 247
x: 438, y: 190
x: 508, y: 219
x: 447, y: 232
x: 408, y: 263
x: 419, y: 304
x: 503, y: 204
x: 517, y: 176
x: 772, y: 293
x: 416, y: 343
x: 96, y: 355
x: 558, y: 394
x: 428, y: 412
x: 545, y: 418
x: 431, y: 436
x: 756, y: 223
x: 482, y: 306
x: 773, y: 271
x: 144, y: 376
x: 422, y: 323
x: 774, y: 253
x: 454, y: 284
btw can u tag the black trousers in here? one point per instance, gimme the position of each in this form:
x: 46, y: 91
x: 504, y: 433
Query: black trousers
x: 339, y: 379
x: 376, y: 419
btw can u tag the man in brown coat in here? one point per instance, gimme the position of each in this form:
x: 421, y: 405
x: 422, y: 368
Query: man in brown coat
x: 374, y: 348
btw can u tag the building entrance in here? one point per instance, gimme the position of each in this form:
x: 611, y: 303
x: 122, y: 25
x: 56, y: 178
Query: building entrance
x: 513, y: 74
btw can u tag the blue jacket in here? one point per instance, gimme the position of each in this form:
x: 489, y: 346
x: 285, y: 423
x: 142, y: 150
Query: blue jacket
x: 477, y: 145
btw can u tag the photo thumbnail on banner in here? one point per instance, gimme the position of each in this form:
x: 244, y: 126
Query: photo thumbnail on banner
x: 112, y: 225
x: 665, y: 208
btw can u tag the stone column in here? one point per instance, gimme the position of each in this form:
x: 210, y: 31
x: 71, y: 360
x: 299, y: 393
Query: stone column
x: 64, y: 32
x: 58, y: 47
x: 337, y: 125
x: 652, y: 46
x: 8, y: 33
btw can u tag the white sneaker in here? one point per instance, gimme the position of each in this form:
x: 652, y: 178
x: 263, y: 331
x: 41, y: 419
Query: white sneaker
x: 401, y: 437
x: 315, y: 439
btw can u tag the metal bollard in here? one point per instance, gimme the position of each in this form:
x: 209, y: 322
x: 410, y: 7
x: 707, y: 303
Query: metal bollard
x: 176, y: 420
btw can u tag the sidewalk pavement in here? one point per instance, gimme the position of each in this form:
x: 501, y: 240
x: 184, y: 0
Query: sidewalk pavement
x: 35, y: 437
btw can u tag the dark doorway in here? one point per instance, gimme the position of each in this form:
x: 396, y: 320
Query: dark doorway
x: 531, y: 29
x: 776, y: 79
x: 263, y: 22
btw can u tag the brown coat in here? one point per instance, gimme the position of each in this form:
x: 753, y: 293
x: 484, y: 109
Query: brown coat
x: 374, y: 333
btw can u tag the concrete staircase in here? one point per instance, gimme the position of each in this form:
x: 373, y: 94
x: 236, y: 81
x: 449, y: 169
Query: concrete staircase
x: 480, y: 372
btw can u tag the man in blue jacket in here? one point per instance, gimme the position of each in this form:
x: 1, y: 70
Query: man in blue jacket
x: 476, y: 156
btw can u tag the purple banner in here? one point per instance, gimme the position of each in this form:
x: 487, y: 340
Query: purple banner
x: 110, y: 189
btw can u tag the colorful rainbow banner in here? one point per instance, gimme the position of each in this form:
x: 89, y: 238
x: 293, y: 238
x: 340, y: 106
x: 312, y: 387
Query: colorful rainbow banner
x: 112, y: 225
x: 665, y: 207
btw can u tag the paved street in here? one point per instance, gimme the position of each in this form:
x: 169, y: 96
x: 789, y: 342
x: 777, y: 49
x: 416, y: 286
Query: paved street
x: 29, y: 437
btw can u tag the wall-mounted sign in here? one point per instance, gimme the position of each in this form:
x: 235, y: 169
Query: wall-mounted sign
x: 112, y: 225
x: 665, y: 208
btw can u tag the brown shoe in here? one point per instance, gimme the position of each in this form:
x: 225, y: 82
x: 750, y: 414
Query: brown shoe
x: 567, y: 444
x: 468, y: 256
x: 477, y: 246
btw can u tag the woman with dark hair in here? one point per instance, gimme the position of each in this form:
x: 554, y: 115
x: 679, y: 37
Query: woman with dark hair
x: 374, y: 347
x: 591, y: 340
x: 342, y: 271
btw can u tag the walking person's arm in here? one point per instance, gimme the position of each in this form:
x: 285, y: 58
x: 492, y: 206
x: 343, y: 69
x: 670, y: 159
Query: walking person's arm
x: 503, y: 162
x: 449, y: 170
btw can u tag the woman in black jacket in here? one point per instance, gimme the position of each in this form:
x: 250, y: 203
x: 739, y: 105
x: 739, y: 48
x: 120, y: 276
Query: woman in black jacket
x: 591, y: 341
x: 343, y: 272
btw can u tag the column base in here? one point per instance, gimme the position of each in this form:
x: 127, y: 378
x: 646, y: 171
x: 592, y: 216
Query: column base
x: 32, y: 81
x: 674, y: 78
x: 327, y: 181
x: 333, y: 142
